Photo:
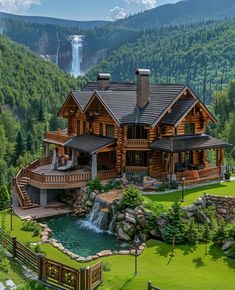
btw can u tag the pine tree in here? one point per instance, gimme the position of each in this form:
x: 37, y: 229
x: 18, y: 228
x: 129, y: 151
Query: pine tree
x: 206, y: 236
x: 175, y: 226
x: 30, y: 143
x: 20, y: 143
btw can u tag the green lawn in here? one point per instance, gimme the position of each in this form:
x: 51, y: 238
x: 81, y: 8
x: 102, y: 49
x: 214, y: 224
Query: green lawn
x: 189, y: 269
x: 223, y: 188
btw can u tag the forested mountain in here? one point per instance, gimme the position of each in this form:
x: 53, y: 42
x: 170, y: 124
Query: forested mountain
x: 54, y: 21
x: 31, y: 92
x: 186, y: 11
x: 203, y: 55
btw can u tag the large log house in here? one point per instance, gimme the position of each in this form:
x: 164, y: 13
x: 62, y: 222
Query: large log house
x: 112, y: 128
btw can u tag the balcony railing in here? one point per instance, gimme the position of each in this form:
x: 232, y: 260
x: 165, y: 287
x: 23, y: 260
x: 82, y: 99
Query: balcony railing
x: 60, y: 136
x: 137, y: 143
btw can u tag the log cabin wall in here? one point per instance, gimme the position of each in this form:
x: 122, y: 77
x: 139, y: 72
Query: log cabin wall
x: 197, y: 118
x: 105, y: 158
x: 157, y: 168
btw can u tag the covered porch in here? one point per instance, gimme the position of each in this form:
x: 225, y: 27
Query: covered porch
x: 187, y: 157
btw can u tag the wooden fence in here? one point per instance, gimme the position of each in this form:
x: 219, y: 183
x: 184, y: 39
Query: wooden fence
x: 51, y: 272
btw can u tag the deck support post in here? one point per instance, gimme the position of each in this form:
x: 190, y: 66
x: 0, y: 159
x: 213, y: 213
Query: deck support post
x: 47, y: 149
x: 43, y: 197
x: 74, y: 156
x: 94, y: 166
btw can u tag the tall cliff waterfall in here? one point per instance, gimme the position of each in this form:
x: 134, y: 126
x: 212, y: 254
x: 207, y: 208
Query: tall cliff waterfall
x: 77, y: 55
x: 101, y: 217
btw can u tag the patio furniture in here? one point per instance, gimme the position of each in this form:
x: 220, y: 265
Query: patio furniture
x: 69, y: 166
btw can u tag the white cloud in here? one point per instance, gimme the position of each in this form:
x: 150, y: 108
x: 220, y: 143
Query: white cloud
x: 17, y: 6
x: 117, y: 13
x: 147, y: 3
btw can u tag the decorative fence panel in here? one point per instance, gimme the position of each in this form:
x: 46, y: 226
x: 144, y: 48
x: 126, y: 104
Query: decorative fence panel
x: 51, y: 272
x: 60, y: 275
x: 94, y: 276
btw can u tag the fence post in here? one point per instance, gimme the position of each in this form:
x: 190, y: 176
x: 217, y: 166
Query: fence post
x: 14, y: 250
x: 41, y: 265
x: 82, y: 278
x: 149, y: 285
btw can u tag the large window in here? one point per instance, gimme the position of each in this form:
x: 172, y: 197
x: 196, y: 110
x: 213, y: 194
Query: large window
x: 189, y: 129
x: 137, y: 132
x: 137, y: 158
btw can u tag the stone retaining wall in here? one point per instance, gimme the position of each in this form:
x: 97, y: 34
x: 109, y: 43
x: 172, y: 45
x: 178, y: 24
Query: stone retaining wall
x: 225, y: 205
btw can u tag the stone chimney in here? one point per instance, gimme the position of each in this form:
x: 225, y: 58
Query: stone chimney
x: 103, y: 81
x: 143, y: 87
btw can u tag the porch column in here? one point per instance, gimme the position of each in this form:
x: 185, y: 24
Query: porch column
x: 94, y: 166
x: 47, y: 149
x: 74, y: 156
x: 43, y: 197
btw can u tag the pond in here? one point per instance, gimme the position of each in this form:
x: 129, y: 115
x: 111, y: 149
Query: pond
x: 82, y: 237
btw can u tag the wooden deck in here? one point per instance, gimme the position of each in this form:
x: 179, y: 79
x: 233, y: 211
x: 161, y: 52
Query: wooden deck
x: 41, y: 176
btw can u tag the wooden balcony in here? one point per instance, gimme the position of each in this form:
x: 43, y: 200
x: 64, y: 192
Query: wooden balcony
x: 41, y: 176
x: 137, y: 143
x: 57, y: 137
x: 200, y: 176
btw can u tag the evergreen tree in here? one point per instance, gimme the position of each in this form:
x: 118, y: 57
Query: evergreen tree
x: 20, y: 143
x: 30, y: 143
x: 206, y: 236
x: 176, y: 226
x: 220, y: 234
x: 4, y: 197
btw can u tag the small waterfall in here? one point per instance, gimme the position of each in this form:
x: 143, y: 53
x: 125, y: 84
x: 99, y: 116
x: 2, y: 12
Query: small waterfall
x: 101, y: 217
x: 77, y: 54
x: 57, y: 54
x: 54, y: 164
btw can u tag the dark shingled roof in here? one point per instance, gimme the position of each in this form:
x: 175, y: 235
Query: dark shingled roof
x: 88, y: 143
x: 187, y: 143
x: 123, y: 106
x: 82, y: 98
x: 114, y: 86
x: 181, y: 107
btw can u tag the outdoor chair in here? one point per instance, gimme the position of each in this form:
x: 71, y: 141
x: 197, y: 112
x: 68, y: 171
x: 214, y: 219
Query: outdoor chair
x: 69, y: 166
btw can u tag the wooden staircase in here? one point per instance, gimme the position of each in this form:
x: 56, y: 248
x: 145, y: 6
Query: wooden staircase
x: 20, y: 184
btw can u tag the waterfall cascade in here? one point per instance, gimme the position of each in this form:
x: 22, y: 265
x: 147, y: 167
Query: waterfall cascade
x: 77, y: 54
x: 101, y: 217
x: 57, y: 53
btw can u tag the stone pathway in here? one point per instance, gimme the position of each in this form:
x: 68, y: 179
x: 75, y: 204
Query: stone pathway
x: 186, y: 187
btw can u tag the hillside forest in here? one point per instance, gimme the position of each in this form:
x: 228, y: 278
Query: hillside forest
x: 32, y: 90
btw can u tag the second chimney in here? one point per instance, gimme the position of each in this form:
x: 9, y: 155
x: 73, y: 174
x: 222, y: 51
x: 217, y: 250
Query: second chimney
x: 143, y: 87
x: 103, y: 81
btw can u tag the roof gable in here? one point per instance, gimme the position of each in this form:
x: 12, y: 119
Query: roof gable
x: 70, y: 102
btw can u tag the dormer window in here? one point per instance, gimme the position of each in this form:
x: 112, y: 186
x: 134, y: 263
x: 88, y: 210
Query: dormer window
x: 189, y: 129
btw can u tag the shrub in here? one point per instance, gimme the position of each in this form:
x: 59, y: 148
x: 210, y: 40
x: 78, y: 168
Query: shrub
x: 176, y: 226
x: 36, y: 232
x: 4, y: 197
x: 193, y: 232
x: 94, y: 184
x: 29, y: 226
x: 164, y: 186
x: 107, y: 267
x: 5, y: 265
x: 174, y: 184
x: 37, y: 248
x: 220, y: 234
x: 131, y: 198
x: 231, y: 251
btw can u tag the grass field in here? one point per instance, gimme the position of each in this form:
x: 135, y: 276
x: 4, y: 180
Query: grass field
x: 223, y: 188
x: 189, y: 269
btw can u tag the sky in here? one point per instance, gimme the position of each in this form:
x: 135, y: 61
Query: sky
x: 80, y: 9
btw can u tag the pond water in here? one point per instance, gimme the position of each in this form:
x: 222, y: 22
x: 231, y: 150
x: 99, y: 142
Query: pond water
x: 82, y: 237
